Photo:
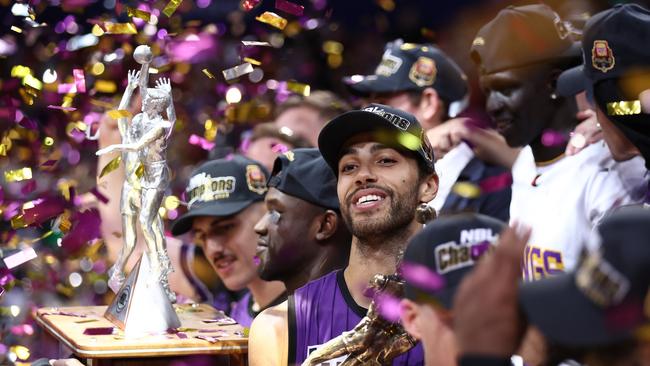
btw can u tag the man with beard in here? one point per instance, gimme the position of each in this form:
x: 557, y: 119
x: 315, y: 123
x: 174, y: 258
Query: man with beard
x: 224, y: 202
x: 384, y: 165
x: 301, y: 236
x: 561, y: 197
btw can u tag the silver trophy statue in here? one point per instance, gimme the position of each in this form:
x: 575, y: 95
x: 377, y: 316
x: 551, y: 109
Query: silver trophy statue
x: 144, y: 153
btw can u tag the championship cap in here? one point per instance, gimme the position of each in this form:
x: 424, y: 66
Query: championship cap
x: 390, y: 126
x: 523, y: 36
x: 410, y: 66
x: 446, y: 248
x: 616, y: 66
x: 602, y: 301
x: 303, y: 173
x: 222, y: 187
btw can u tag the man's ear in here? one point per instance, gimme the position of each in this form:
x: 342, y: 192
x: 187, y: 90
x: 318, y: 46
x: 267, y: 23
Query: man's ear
x: 409, y: 312
x: 429, y: 105
x: 327, y: 223
x: 429, y: 188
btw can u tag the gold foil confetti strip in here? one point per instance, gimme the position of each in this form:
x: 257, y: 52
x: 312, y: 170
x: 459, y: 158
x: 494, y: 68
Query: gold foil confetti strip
x: 120, y: 28
x: 299, y: 88
x: 119, y: 113
x: 112, y: 165
x: 252, y: 61
x: 624, y: 108
x: 16, y: 29
x: 105, y: 86
x: 208, y: 73
x: 18, y: 174
x: 171, y: 7
x: 466, y: 189
x: 272, y: 19
x: 137, y: 13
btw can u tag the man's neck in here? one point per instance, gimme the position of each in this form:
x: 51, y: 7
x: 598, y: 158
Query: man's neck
x: 543, y: 153
x: 264, y: 292
x: 379, y: 256
x: 326, y: 261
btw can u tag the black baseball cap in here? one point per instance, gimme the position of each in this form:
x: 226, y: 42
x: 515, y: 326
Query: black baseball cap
x: 448, y: 247
x: 303, y: 173
x: 411, y: 66
x: 390, y: 126
x: 222, y: 187
x: 523, y: 36
x: 602, y: 301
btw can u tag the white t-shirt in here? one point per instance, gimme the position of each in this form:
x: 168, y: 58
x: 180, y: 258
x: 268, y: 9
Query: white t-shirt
x: 564, y: 201
x: 449, y: 168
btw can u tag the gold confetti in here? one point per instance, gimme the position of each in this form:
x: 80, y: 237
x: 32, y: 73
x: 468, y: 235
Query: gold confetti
x: 139, y: 172
x: 33, y: 82
x: 18, y: 222
x: 101, y: 103
x: 119, y: 113
x: 20, y: 71
x: 16, y: 29
x: 302, y: 89
x: 105, y: 86
x: 409, y: 141
x: 112, y: 165
x: 120, y: 28
x: 237, y: 71
x: 252, y: 61
x: 466, y: 189
x: 18, y: 175
x: 272, y: 19
x: 97, y: 30
x: 48, y: 141
x: 208, y: 73
x: 333, y: 47
x: 171, y: 7
x: 137, y: 13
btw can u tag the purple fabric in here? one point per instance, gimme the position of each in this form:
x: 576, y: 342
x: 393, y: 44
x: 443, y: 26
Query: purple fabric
x: 240, y: 312
x: 323, y: 312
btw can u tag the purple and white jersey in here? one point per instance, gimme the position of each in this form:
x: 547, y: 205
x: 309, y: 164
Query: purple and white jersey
x: 322, y: 310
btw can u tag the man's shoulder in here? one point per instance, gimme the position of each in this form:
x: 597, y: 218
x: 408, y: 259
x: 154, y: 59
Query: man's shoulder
x: 318, y: 282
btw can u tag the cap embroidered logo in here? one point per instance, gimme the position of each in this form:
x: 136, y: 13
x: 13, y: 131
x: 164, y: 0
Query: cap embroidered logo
x: 423, y: 72
x: 397, y: 121
x: 602, y: 57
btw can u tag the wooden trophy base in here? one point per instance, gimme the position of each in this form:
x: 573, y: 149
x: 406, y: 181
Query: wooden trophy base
x: 205, y: 334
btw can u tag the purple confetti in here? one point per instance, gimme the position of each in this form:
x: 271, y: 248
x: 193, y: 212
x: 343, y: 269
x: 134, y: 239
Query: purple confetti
x: 99, y: 331
x: 43, y: 210
x: 29, y: 187
x: 86, y: 228
x: 477, y: 250
x: 200, y: 141
x: 553, y: 138
x: 495, y: 183
x: 422, y: 277
x: 280, y: 148
x: 289, y: 7
x: 67, y: 109
x: 257, y: 260
x: 66, y: 88
x: 389, y: 307
x: 99, y: 195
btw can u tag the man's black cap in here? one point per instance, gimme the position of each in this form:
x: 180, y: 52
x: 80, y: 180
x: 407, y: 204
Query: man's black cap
x: 389, y: 126
x: 303, y: 173
x: 222, y: 187
x: 523, y: 36
x: 602, y: 301
x: 448, y: 247
x: 613, y: 47
x: 410, y: 66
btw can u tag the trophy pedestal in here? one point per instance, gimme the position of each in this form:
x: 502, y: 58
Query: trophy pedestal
x: 141, y: 307
x: 217, y: 344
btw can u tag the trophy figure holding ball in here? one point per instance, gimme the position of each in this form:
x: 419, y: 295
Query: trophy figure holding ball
x: 144, y: 153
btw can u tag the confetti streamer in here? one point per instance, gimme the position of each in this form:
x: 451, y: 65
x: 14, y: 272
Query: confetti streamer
x: 252, y: 61
x: 171, y: 7
x: 19, y: 258
x: 256, y: 43
x: 16, y: 29
x: 120, y: 28
x: 248, y: 5
x: 112, y: 165
x: 466, y: 189
x: 79, y: 80
x: 388, y: 306
x: 208, y: 73
x: 137, y: 13
x: 66, y: 109
x: 200, y: 141
x: 18, y: 175
x: 33, y: 82
x: 119, y: 113
x: 237, y: 71
x: 289, y: 7
x: 422, y: 277
x: 272, y: 19
x: 302, y: 89
x: 105, y: 86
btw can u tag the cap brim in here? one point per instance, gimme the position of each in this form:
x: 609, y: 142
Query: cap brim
x: 339, y: 130
x: 371, y: 84
x: 564, y: 314
x: 572, y: 82
x: 215, y: 209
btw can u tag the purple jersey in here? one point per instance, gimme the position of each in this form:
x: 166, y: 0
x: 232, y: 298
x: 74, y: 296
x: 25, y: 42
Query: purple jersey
x: 322, y: 310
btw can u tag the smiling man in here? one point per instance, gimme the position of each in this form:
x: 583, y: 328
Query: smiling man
x: 520, y: 54
x: 384, y: 166
x: 224, y: 203
x: 302, y: 235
